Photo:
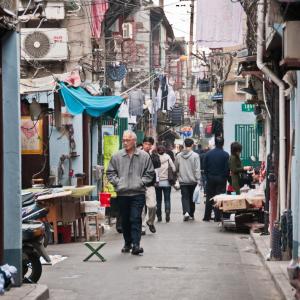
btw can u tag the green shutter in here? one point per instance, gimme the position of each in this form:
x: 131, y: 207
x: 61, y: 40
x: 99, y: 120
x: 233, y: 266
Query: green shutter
x: 248, y: 137
x: 140, y: 136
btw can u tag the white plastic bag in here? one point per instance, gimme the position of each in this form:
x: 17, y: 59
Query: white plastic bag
x: 197, y: 195
x: 177, y: 185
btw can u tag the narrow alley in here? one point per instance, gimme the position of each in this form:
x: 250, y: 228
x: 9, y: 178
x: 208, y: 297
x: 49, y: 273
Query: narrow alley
x: 183, y: 260
x: 109, y: 108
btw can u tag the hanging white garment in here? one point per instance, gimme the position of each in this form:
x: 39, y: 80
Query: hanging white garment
x: 124, y: 110
x: 211, y: 17
x: 171, y: 100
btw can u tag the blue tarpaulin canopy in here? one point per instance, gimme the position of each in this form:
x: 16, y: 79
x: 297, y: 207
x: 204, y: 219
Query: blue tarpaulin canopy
x: 78, y: 100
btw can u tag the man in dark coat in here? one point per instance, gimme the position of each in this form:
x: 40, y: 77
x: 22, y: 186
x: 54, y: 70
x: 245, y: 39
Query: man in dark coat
x: 216, y: 170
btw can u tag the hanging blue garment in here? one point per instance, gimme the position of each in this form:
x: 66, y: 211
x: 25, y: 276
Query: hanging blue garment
x: 78, y: 100
x: 116, y: 73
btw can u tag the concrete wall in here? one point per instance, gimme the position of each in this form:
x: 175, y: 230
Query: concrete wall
x: 12, y: 152
x: 79, y: 40
x: 231, y: 95
x: 59, y: 142
x: 59, y: 145
x: 233, y: 115
x: 80, y: 50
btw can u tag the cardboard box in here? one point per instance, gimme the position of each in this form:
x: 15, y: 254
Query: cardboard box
x: 234, y: 204
x: 256, y: 202
x: 90, y: 207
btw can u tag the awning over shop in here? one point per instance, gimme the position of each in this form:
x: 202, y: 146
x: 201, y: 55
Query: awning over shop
x: 78, y: 100
x: 217, y: 97
x: 43, y: 84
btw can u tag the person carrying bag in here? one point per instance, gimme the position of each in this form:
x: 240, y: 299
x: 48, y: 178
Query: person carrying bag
x: 166, y: 179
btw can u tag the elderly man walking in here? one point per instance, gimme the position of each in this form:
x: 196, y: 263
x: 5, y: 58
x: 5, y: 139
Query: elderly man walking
x: 130, y: 171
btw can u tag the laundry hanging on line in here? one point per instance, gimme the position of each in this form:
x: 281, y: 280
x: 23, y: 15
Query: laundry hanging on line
x: 116, y: 72
x: 176, y: 115
x: 165, y: 97
x: 136, y: 102
x: 192, y: 105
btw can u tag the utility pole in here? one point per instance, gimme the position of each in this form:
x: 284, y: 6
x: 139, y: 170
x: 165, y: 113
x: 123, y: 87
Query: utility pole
x: 191, y: 43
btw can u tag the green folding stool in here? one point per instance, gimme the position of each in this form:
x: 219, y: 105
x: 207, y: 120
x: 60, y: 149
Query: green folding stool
x: 95, y: 251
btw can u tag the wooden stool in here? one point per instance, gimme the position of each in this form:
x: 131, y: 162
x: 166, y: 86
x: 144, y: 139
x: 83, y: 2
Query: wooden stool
x: 87, y: 219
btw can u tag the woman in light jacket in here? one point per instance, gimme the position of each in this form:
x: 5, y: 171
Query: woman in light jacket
x: 163, y: 186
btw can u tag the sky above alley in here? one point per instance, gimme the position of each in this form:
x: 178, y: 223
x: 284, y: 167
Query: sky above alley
x: 178, y: 16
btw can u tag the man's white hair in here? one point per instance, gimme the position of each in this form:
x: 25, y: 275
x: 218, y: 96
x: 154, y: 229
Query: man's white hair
x: 130, y: 133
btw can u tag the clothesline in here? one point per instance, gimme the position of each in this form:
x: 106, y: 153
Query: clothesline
x: 139, y: 84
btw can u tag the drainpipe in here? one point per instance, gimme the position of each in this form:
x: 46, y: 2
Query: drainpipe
x: 271, y: 75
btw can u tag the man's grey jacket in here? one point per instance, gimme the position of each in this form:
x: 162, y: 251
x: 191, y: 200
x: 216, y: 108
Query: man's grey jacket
x: 130, y: 175
x: 188, y: 167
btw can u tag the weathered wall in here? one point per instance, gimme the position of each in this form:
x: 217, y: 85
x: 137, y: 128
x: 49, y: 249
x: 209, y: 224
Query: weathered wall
x: 231, y: 95
x: 136, y: 51
x: 59, y: 145
x: 79, y: 41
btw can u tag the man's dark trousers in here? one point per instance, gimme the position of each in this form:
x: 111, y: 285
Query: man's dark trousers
x: 131, y: 208
x: 215, y: 185
x: 188, y: 205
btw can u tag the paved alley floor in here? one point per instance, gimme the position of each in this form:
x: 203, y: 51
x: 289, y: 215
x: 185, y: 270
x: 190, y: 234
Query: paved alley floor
x: 183, y: 260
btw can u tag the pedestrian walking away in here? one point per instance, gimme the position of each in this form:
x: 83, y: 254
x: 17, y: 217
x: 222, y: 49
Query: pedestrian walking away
x: 163, y: 186
x: 216, y: 170
x: 149, y: 212
x: 130, y: 171
x: 189, y: 175
x: 201, y: 152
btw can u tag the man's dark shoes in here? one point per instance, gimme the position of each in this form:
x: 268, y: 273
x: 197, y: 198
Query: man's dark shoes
x: 159, y: 218
x: 137, y: 250
x: 126, y: 249
x: 151, y: 227
x: 167, y: 217
x: 205, y: 220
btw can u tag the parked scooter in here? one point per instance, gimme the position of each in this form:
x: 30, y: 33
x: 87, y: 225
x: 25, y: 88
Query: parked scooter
x: 33, y: 248
x: 36, y: 232
x: 31, y: 210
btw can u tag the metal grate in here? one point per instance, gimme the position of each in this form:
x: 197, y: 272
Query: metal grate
x: 248, y: 136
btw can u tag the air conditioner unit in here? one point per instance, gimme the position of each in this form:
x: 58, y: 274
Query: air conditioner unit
x: 291, y: 40
x: 54, y: 10
x: 127, y: 30
x: 44, y: 44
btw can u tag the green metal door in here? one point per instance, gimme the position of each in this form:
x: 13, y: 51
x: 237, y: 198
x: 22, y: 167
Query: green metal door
x: 248, y: 136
